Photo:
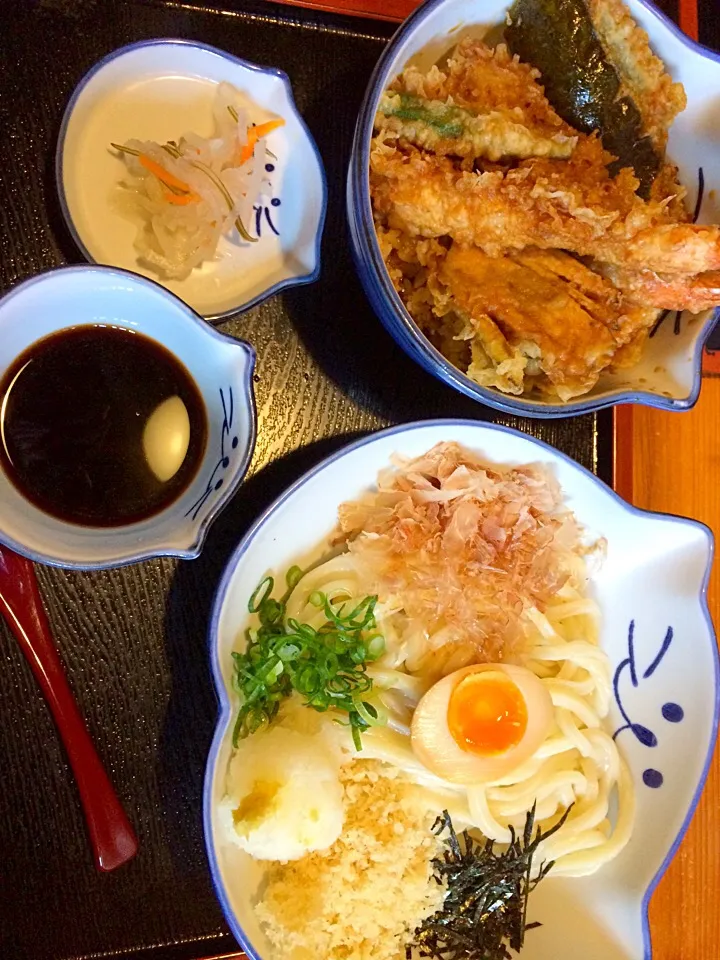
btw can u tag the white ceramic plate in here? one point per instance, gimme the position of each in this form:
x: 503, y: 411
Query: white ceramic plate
x: 159, y: 90
x: 656, y: 630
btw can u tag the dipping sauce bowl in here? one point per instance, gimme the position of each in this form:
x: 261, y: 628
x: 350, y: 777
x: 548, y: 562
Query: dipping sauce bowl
x: 220, y: 369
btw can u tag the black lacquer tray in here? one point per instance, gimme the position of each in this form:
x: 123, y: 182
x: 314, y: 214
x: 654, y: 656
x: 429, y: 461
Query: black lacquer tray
x: 134, y: 640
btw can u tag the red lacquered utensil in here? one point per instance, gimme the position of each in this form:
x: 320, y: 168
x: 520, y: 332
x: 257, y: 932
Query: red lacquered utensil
x: 113, y: 839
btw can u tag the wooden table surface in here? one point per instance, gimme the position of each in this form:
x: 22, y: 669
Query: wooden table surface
x: 668, y: 462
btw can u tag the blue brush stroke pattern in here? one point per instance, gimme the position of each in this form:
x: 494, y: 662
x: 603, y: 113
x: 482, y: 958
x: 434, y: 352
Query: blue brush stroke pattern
x: 672, y: 712
x: 215, y: 482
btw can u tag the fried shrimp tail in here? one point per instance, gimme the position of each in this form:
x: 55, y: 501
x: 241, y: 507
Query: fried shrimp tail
x: 693, y: 292
x: 686, y: 248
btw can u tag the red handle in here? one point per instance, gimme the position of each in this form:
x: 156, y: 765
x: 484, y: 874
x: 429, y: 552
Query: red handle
x: 111, y: 835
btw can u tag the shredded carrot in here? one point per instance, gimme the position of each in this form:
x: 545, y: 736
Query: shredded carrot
x: 256, y: 133
x: 249, y: 148
x: 263, y: 129
x: 181, y: 199
x: 169, y: 179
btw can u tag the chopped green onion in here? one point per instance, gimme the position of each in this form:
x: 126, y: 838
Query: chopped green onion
x: 266, y: 586
x: 375, y: 647
x: 370, y: 714
x: 326, y: 666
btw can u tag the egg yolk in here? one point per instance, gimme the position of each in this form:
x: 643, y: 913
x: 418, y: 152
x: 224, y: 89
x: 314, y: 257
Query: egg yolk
x: 487, y: 713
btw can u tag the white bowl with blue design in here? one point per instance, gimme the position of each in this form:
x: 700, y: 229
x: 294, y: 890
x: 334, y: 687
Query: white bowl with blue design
x: 158, y: 90
x: 221, y: 368
x: 668, y: 375
x: 656, y: 630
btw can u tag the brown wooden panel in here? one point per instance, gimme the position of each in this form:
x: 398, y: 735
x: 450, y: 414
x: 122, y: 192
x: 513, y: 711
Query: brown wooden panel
x: 676, y: 464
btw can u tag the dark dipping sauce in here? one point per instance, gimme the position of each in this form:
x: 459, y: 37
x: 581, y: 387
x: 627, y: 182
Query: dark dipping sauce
x: 74, y: 410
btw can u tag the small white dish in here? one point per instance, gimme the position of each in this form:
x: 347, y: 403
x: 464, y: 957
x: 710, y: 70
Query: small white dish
x: 221, y: 368
x: 159, y: 90
x: 655, y: 628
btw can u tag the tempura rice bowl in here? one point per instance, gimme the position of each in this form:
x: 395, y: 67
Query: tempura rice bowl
x: 668, y: 374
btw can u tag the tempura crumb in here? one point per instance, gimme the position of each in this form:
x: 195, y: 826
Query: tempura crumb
x: 363, y: 898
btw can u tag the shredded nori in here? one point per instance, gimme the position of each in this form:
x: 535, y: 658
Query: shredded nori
x: 558, y: 37
x: 484, y: 914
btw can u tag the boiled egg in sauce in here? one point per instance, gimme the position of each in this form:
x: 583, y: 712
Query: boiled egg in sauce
x: 481, y: 722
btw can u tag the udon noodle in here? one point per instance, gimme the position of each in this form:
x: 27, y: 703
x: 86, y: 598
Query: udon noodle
x: 554, y: 634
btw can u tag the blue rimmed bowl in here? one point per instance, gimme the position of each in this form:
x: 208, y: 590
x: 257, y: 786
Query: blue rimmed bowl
x: 668, y: 375
x: 159, y: 90
x: 220, y: 367
x: 655, y: 628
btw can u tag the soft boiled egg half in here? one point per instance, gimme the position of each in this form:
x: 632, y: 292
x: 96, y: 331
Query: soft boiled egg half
x: 481, y: 722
